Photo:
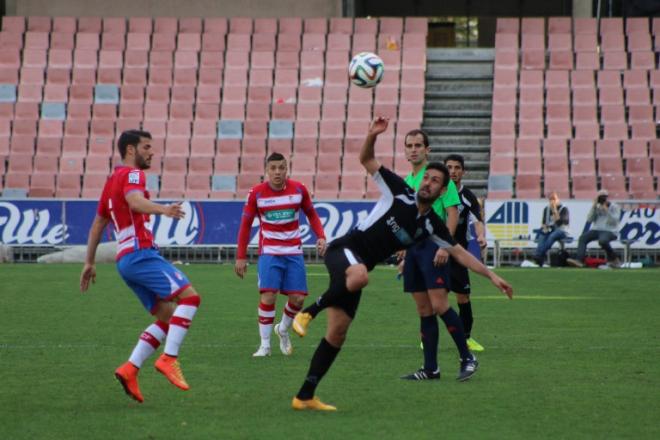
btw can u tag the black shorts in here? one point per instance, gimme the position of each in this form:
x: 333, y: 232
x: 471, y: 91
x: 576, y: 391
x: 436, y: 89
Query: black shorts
x: 459, y: 277
x: 337, y: 260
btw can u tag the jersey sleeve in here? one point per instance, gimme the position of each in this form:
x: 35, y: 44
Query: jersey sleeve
x: 313, y: 218
x: 450, y: 197
x: 249, y: 211
x: 135, y: 180
x: 475, y: 207
x: 440, y: 234
x: 386, y: 179
x: 103, y: 209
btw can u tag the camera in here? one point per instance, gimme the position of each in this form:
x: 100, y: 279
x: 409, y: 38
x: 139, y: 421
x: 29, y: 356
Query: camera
x: 601, y: 199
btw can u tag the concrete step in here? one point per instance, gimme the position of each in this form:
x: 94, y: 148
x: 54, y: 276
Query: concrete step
x: 458, y: 94
x: 458, y: 105
x: 459, y: 70
x: 453, y: 122
x: 444, y: 54
x: 458, y: 140
x: 462, y: 85
x: 484, y: 150
x: 472, y: 158
x: 434, y: 130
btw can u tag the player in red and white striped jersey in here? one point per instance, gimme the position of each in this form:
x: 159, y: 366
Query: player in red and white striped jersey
x: 281, y: 267
x: 161, y: 288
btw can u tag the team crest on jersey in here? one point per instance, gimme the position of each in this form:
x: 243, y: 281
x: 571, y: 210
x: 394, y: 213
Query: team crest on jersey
x: 134, y: 177
x: 178, y: 276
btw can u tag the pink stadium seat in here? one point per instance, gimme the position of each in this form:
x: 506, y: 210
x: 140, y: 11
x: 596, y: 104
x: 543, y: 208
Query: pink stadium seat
x: 584, y: 114
x: 504, y: 78
x: 585, y: 166
x: 39, y: 24
x: 20, y: 163
x: 556, y: 183
x: 638, y: 167
x: 615, y: 130
x: 136, y: 58
x: 55, y: 75
x: 610, y: 96
x: 528, y: 186
x: 615, y: 60
x: 10, y: 58
x: 554, y: 148
x: 608, y: 149
x: 559, y: 25
x: 111, y: 58
x: 527, y: 112
x: 585, y: 43
x: 642, y: 186
x: 609, y: 79
x: 640, y: 113
x: 639, y: 41
x: 209, y: 76
x: 215, y: 25
x: 84, y: 76
x: 526, y: 148
x: 612, y: 114
x: 208, y: 111
x: 23, y: 127
x: 68, y: 185
x: 341, y: 25
x: 109, y: 75
x: 532, y: 41
x: 587, y: 61
x: 161, y: 60
x: 506, y: 42
x: 584, y: 187
x: 637, y: 24
x: 138, y: 41
x: 138, y: 24
x: 612, y: 25
x: 642, y: 60
x: 587, y: 131
x: 62, y: 41
x: 533, y: 59
x: 85, y: 58
x: 46, y: 164
x: 643, y: 130
x: 561, y: 112
x: 364, y: 42
x: 507, y: 25
x: 502, y: 164
x: 561, y: 60
x: 36, y: 40
x: 638, y: 96
x: 232, y: 111
x: 163, y: 42
x: 97, y: 165
x: 612, y: 42
x: 609, y: 165
x: 166, y: 25
x: 558, y: 96
x: 34, y: 58
x: 635, y: 79
x: 109, y: 41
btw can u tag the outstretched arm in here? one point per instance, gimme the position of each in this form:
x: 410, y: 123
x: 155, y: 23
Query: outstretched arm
x: 467, y: 259
x: 367, y: 154
x: 138, y: 203
x: 95, y: 233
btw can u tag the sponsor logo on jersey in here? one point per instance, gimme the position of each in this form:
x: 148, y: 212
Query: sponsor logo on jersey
x: 134, y: 177
x: 399, y: 232
x: 280, y: 214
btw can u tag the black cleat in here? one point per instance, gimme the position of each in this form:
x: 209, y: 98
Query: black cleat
x: 423, y: 374
x: 468, y: 368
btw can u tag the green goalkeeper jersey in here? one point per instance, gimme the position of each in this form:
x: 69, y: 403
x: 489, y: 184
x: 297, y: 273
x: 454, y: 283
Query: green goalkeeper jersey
x: 449, y: 198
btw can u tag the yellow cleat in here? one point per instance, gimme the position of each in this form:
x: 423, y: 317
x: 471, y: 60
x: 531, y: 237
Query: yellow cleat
x: 313, y: 404
x: 301, y: 322
x: 474, y: 345
x: 169, y: 367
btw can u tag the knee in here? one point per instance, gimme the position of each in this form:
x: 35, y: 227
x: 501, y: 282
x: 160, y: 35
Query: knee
x: 297, y: 300
x: 357, y: 280
x: 462, y: 298
x: 336, y: 337
x: 424, y: 309
x: 268, y: 297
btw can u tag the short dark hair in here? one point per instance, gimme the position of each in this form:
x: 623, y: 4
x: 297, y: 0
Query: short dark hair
x: 439, y: 166
x: 130, y: 137
x: 455, y: 158
x: 275, y: 156
x: 415, y: 132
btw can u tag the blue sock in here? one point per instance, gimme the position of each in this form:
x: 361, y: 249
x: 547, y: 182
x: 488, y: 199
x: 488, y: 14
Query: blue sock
x: 428, y: 326
x: 455, y: 329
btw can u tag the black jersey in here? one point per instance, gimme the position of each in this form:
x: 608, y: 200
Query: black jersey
x: 469, y: 208
x: 394, y: 223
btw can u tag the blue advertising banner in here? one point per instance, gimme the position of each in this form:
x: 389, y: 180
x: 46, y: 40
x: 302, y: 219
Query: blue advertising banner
x: 67, y: 222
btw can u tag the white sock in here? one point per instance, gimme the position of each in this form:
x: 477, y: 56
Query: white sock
x: 179, y: 324
x: 290, y: 312
x: 148, y: 343
x: 266, y: 314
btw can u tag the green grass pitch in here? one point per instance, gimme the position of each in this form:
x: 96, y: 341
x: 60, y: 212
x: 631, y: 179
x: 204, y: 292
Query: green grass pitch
x: 575, y: 355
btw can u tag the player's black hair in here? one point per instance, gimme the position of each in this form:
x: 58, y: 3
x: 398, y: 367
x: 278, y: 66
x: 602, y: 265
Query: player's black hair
x: 455, y: 158
x: 439, y: 166
x: 415, y: 132
x: 130, y: 137
x: 275, y: 156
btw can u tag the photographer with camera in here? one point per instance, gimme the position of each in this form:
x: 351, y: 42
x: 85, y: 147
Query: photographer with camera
x: 604, y: 217
x: 554, y: 227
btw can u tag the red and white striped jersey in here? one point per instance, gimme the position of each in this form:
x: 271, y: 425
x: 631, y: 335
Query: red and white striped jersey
x: 131, y: 227
x: 278, y: 212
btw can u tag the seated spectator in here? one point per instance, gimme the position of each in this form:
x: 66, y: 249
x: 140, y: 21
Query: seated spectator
x: 604, y: 217
x: 554, y: 227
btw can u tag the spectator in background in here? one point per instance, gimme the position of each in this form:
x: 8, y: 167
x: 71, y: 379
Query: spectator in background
x: 604, y: 218
x: 554, y: 227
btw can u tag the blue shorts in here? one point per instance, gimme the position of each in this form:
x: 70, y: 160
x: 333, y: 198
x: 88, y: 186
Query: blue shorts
x: 419, y: 273
x: 282, y: 273
x: 151, y: 277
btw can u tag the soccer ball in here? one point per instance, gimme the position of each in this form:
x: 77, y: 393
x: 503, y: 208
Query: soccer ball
x: 366, y: 70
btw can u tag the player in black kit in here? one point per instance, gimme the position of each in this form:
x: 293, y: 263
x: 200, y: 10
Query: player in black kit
x: 400, y: 218
x: 468, y: 211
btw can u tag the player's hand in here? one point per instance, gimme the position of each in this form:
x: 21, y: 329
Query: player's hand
x: 400, y: 255
x: 321, y: 246
x: 240, y: 268
x: 502, y: 285
x: 174, y: 211
x: 88, y: 274
x: 483, y: 243
x: 441, y: 257
x: 378, y: 126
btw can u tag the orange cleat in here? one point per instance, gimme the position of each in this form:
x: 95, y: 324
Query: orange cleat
x: 169, y: 367
x: 313, y: 404
x: 126, y: 374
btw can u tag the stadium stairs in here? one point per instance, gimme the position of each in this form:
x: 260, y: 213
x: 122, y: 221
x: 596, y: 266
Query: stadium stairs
x: 457, y: 111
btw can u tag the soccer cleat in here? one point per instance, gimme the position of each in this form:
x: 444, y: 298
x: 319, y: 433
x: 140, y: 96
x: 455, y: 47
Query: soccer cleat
x: 169, y: 367
x: 301, y: 322
x: 468, y: 368
x: 423, y: 374
x: 285, y: 341
x: 261, y: 352
x: 126, y: 374
x: 574, y: 262
x: 313, y: 404
x: 474, y: 345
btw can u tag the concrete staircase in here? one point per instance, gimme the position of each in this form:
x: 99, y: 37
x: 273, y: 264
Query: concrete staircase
x: 457, y: 110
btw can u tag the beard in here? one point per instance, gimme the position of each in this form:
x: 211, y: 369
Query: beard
x: 425, y: 199
x: 141, y: 163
